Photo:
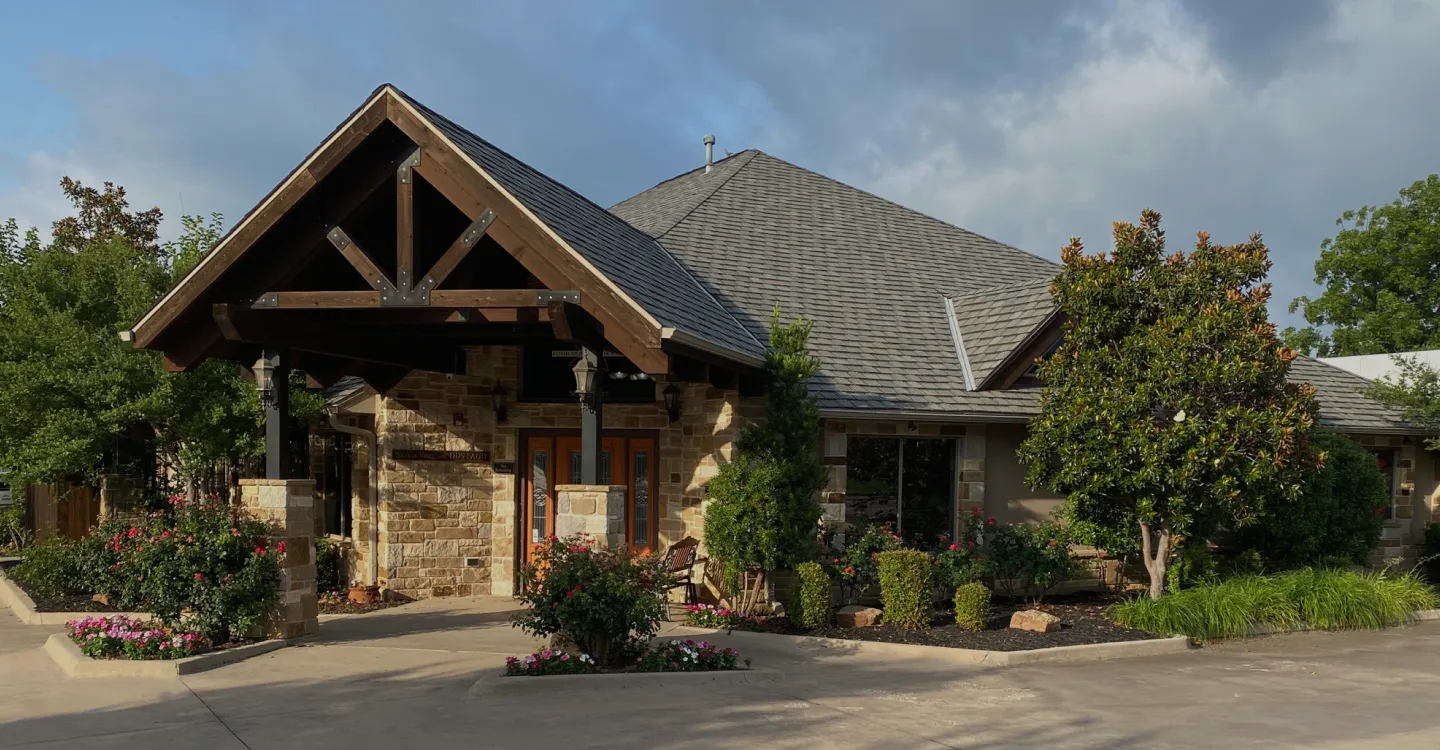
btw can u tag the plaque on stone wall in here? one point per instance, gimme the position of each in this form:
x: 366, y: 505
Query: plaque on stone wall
x: 504, y: 467
x: 465, y: 456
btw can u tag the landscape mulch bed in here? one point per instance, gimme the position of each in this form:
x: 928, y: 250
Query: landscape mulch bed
x: 77, y: 603
x: 1082, y: 617
x: 337, y: 604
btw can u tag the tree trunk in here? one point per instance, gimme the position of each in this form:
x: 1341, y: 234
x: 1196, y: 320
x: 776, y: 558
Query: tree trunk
x: 1156, y: 557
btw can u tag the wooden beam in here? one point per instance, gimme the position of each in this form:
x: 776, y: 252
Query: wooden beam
x: 361, y: 260
x: 557, y: 266
x: 383, y: 378
x: 405, y: 223
x: 191, y: 352
x: 502, y: 299
x: 1019, y: 361
x: 263, y: 217
x: 572, y: 322
x: 457, y: 251
x: 281, y: 331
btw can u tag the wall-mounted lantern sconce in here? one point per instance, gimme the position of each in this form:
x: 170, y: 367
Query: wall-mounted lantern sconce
x: 499, y: 399
x: 672, y: 402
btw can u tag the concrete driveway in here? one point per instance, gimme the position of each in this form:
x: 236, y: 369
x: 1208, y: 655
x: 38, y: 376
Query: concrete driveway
x: 400, y: 679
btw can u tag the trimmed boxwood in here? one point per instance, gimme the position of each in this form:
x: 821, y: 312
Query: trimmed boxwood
x: 972, y: 606
x: 905, y: 588
x: 810, y: 597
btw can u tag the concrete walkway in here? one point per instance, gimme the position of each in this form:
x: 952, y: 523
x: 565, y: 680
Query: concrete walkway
x: 400, y: 678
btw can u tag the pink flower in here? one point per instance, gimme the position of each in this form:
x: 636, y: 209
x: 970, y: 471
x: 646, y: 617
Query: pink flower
x: 955, y: 545
x: 990, y: 521
x: 164, y: 535
x: 260, y: 550
x: 199, y: 576
x: 134, y: 532
x: 234, y: 532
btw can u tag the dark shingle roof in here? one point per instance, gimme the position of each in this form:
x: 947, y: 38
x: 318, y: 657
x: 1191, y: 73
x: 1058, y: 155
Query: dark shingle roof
x: 342, y: 389
x: 628, y: 256
x: 760, y: 231
x: 994, y: 321
x: 1343, y: 403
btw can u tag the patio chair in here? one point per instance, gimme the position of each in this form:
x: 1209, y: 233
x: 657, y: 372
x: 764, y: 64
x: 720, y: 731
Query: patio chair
x: 680, y: 561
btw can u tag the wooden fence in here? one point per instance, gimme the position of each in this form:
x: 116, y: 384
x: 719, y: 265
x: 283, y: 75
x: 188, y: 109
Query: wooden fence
x: 58, y: 510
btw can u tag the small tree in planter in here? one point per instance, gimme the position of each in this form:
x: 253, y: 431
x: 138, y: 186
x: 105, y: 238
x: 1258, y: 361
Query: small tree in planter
x: 1166, y: 405
x: 764, y: 512
x: 608, y: 603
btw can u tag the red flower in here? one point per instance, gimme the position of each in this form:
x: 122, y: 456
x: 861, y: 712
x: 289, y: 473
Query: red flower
x: 971, y: 545
x: 956, y: 545
x: 199, y: 576
x: 1052, y: 542
x: 134, y: 532
x: 975, y: 510
x: 849, y: 571
x: 990, y: 521
x: 164, y: 535
x: 259, y: 550
x: 280, y: 548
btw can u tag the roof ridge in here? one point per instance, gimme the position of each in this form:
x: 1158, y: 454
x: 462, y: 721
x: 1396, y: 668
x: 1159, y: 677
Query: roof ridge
x: 711, y: 194
x: 689, y: 172
x: 901, y: 206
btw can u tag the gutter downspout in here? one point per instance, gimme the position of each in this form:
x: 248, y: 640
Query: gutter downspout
x: 373, y: 490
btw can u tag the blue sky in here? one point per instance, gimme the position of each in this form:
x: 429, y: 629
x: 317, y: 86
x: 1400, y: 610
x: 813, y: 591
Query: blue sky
x: 1027, y: 121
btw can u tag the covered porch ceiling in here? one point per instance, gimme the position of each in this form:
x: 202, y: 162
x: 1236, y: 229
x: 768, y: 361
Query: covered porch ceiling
x: 390, y: 249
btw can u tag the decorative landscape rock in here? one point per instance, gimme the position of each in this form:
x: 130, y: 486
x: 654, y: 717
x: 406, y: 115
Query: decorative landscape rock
x: 1035, y: 620
x: 856, y: 616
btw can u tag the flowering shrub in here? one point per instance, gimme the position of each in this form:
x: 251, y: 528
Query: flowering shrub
x: 548, y: 662
x: 688, y: 656
x: 962, y: 561
x: 855, y: 566
x: 606, y: 602
x: 120, y: 637
x: 711, y: 616
x: 1028, y: 559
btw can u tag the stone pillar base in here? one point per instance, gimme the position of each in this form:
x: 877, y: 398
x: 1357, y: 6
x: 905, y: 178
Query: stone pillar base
x: 597, y: 511
x: 288, y: 505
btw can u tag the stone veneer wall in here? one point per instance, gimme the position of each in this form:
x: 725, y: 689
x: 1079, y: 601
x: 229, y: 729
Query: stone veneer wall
x: 287, y: 505
x: 970, y: 439
x: 1403, y: 536
x: 435, y: 514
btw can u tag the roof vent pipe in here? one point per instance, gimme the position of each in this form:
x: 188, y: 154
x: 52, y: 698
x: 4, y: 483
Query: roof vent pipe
x: 709, y: 151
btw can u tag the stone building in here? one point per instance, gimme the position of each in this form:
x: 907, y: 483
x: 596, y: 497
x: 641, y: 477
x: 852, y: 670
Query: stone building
x: 454, y: 300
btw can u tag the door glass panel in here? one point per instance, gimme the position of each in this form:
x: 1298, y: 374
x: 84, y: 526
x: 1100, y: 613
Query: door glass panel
x: 642, y: 499
x: 927, y: 499
x: 539, y: 490
x: 604, y: 467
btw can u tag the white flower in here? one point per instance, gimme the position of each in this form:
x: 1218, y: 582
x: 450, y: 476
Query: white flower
x: 1180, y: 416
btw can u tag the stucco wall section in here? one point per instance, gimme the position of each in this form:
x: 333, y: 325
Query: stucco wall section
x: 1010, y: 499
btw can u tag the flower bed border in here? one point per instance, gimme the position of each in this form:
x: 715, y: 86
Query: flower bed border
x: 24, y: 608
x: 68, y: 656
x: 500, y: 683
x: 1052, y: 655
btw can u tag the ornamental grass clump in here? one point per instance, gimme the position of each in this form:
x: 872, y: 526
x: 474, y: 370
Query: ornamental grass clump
x: 810, y: 597
x: 606, y: 602
x: 905, y: 589
x: 1328, y: 599
x: 972, y: 607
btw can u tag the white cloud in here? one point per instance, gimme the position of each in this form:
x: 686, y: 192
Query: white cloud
x: 1149, y: 115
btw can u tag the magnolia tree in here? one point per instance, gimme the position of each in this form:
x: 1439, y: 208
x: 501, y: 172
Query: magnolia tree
x: 1166, y: 405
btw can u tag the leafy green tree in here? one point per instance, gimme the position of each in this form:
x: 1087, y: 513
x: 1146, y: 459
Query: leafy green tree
x: 1415, y: 392
x: 1382, y: 286
x: 765, y: 509
x: 1166, y: 406
x: 69, y: 387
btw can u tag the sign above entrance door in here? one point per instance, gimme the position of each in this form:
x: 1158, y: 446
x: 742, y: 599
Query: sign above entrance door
x: 466, y: 456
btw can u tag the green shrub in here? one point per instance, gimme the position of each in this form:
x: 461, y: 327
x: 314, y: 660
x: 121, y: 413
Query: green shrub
x: 327, y: 567
x: 606, y: 602
x: 905, y: 588
x: 1321, y: 598
x: 1028, y: 559
x: 1340, y: 512
x: 1432, y: 553
x: 14, y: 536
x: 972, y: 606
x: 52, y: 568
x: 1192, y: 565
x: 963, y: 561
x: 810, y: 597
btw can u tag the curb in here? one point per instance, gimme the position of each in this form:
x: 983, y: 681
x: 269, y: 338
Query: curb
x: 75, y: 663
x: 499, y: 684
x: 24, y: 608
x: 1053, y: 655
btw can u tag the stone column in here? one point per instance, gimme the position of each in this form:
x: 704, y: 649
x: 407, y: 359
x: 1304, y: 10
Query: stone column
x: 288, y: 505
x: 594, y: 509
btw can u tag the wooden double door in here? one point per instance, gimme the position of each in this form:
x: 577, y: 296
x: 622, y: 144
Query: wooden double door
x: 628, y: 459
